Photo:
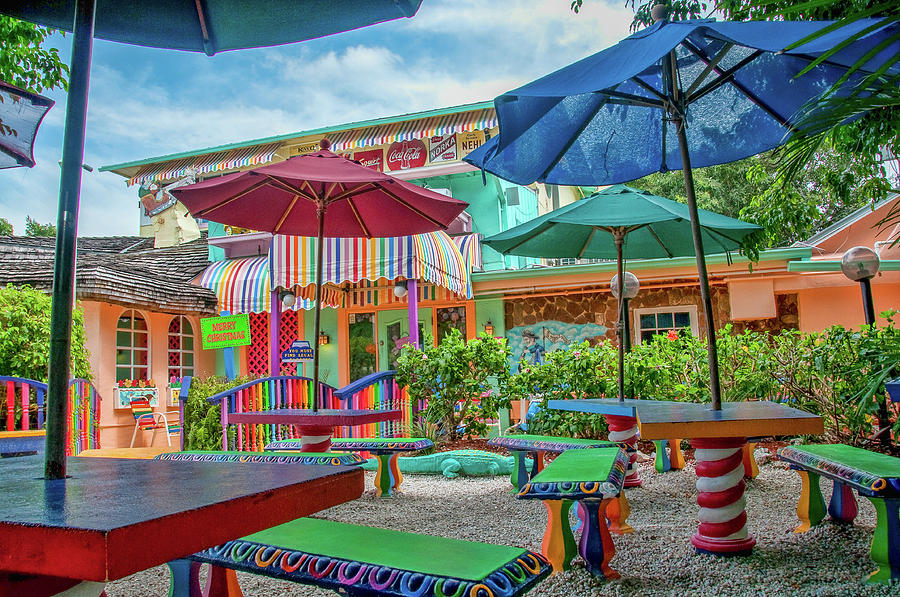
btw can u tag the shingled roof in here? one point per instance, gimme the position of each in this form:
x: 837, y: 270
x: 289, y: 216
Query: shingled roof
x: 122, y: 270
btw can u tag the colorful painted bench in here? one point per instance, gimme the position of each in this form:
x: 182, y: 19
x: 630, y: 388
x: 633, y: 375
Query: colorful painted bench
x: 875, y: 476
x: 522, y: 445
x: 386, y: 450
x: 359, y: 560
x: 593, y: 477
x: 326, y: 458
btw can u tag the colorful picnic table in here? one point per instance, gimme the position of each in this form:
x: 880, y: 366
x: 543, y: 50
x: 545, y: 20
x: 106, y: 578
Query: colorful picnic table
x: 718, y: 438
x: 113, y: 517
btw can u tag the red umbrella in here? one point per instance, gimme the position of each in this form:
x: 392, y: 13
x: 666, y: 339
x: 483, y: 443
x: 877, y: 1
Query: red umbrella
x: 320, y: 194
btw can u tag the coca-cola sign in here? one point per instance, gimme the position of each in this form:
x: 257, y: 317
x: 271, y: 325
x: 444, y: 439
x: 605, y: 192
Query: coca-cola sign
x: 372, y: 158
x: 404, y: 155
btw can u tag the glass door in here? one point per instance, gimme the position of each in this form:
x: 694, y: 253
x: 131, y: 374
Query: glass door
x: 363, y: 345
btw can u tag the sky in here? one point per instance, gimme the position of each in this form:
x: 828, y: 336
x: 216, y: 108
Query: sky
x: 146, y: 102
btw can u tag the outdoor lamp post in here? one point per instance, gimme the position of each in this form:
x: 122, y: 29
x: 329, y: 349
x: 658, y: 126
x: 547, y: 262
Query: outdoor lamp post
x: 860, y: 264
x: 631, y: 287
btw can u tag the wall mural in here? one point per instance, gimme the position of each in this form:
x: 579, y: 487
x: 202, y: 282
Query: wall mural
x: 531, y: 342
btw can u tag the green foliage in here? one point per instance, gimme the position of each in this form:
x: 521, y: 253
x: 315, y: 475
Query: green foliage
x: 202, y: 420
x: 838, y: 374
x: 462, y: 382
x: 25, y: 335
x: 34, y: 228
x: 6, y: 228
x: 24, y: 62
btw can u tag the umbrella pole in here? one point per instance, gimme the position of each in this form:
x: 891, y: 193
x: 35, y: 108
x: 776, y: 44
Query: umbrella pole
x: 320, y: 212
x: 701, y: 264
x: 619, y: 239
x: 66, y: 227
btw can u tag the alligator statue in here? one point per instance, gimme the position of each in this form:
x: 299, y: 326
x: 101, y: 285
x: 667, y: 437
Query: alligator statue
x: 453, y: 463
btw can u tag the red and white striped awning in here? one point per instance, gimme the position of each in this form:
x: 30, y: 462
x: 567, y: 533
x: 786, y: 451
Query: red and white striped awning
x: 413, y: 129
x: 216, y: 162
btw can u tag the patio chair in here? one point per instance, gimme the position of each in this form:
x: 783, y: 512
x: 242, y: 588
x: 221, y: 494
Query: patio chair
x: 147, y: 420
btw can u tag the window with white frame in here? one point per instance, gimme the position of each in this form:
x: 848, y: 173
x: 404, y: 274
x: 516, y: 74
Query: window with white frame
x: 132, y: 346
x: 662, y: 320
x: 181, y: 347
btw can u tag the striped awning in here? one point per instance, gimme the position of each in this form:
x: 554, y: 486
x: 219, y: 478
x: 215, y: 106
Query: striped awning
x: 242, y: 286
x: 216, y: 162
x: 432, y: 257
x: 470, y: 247
x: 413, y: 129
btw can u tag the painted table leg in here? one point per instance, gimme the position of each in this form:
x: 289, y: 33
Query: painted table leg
x: 558, y: 545
x: 625, y: 430
x: 886, y: 540
x: 842, y: 506
x: 383, y: 480
x: 222, y: 582
x: 617, y: 512
x: 662, y: 463
x: 811, y: 506
x: 676, y: 456
x: 315, y: 438
x: 185, y: 580
x: 751, y: 470
x: 596, y: 545
x: 519, y: 475
x: 396, y: 475
x: 720, y: 483
x: 538, y: 464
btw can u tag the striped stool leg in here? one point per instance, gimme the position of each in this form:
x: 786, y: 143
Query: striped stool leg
x: 222, y: 582
x: 811, y: 506
x: 519, y: 475
x: 185, y: 579
x: 662, y: 462
x: 558, y: 545
x: 617, y: 513
x: 676, y: 457
x: 886, y: 540
x: 396, y: 475
x: 383, y: 481
x: 625, y: 430
x: 842, y: 506
x: 720, y: 483
x: 596, y: 545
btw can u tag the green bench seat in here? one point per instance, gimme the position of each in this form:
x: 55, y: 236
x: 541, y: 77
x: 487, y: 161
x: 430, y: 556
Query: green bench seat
x: 359, y: 560
x: 594, y: 478
x: 875, y: 476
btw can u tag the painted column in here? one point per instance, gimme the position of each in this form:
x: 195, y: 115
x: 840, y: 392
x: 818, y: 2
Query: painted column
x: 412, y: 298
x: 720, y: 483
x: 625, y: 430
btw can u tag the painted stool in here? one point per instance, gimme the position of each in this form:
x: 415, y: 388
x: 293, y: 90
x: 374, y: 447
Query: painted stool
x: 593, y: 477
x: 875, y: 476
x: 386, y: 451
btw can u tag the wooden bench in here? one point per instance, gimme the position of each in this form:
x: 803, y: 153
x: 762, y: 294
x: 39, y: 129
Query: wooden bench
x: 359, y: 560
x: 875, y: 476
x: 593, y: 477
x: 386, y: 450
x: 322, y: 458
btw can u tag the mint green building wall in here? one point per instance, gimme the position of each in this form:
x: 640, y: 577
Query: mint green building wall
x: 215, y: 230
x: 328, y: 354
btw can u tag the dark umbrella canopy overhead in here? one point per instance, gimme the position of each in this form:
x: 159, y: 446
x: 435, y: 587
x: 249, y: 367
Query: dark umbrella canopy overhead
x: 21, y: 113
x: 600, y: 120
x: 653, y: 227
x: 215, y: 25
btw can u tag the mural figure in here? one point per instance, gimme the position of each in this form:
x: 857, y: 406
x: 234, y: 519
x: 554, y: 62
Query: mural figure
x: 532, y: 342
x: 534, y: 351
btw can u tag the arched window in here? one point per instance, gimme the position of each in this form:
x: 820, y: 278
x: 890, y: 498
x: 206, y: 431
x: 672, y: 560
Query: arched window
x: 181, y: 347
x: 132, y: 346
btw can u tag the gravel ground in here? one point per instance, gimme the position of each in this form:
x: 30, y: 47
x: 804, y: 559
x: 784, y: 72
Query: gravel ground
x: 657, y: 559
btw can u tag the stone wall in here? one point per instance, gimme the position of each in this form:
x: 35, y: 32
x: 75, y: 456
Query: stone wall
x: 599, y: 307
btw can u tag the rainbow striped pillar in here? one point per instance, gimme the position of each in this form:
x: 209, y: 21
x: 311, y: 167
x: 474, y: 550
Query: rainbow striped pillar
x: 720, y: 483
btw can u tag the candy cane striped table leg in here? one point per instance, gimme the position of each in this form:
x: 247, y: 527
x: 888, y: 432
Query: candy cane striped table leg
x: 720, y: 483
x: 315, y: 438
x: 625, y: 430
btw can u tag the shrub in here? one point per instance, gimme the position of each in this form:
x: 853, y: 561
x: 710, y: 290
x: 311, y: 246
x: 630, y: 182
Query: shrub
x: 25, y: 335
x: 462, y: 382
x: 202, y: 425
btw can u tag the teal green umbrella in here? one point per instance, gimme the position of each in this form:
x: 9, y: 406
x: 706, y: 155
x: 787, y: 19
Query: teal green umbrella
x: 621, y: 223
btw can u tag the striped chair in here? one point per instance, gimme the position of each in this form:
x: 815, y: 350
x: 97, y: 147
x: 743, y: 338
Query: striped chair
x: 147, y: 420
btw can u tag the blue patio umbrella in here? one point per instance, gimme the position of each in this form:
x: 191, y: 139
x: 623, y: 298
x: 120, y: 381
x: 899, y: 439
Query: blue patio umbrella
x: 209, y: 26
x: 673, y: 96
